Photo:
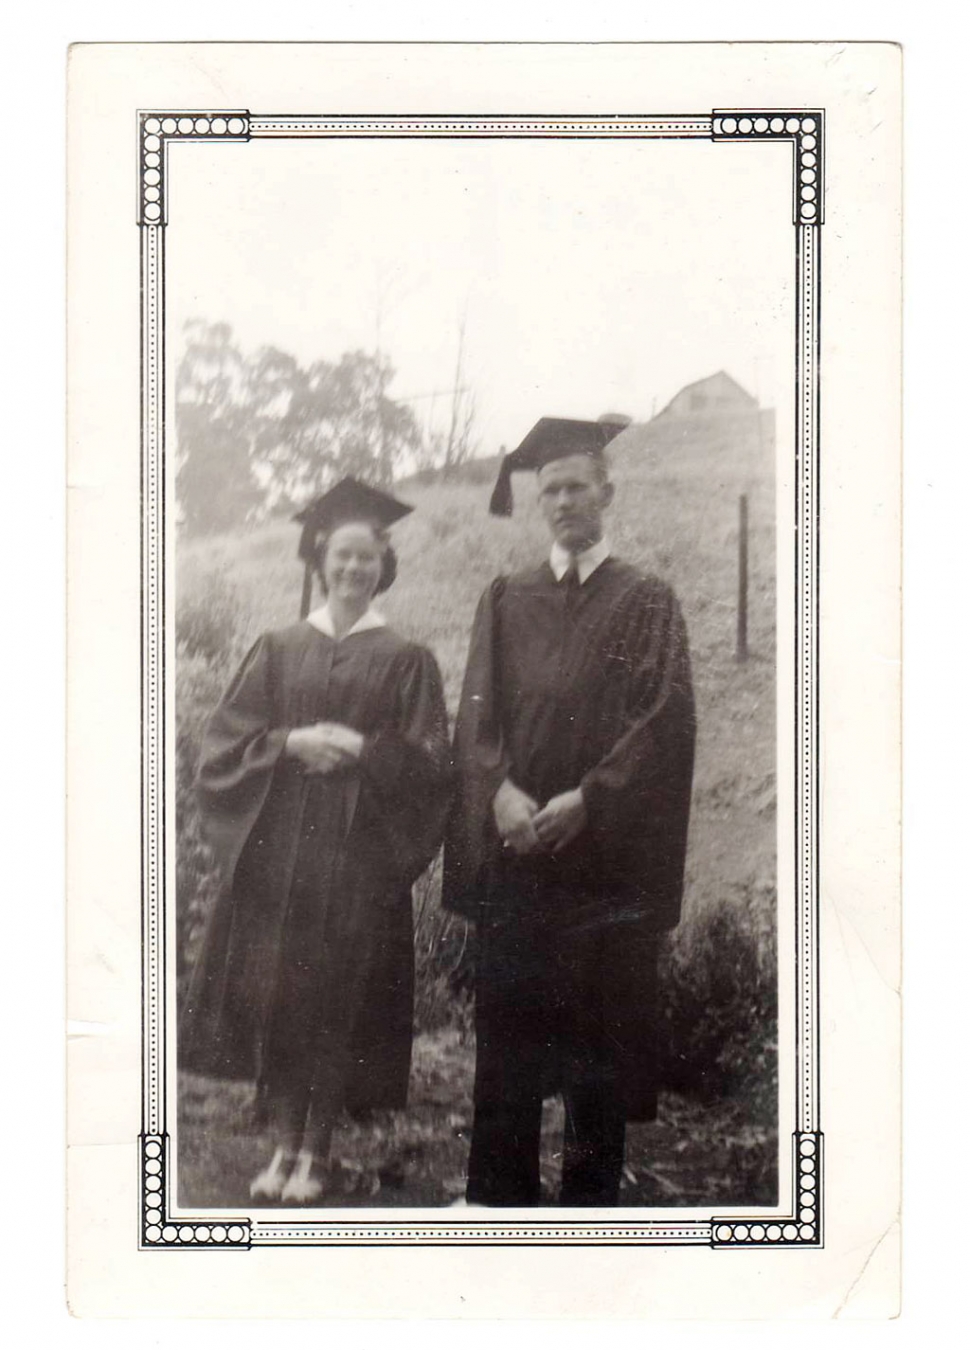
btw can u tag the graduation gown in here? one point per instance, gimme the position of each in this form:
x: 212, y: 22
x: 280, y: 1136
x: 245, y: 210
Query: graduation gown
x: 594, y: 693
x: 306, y: 966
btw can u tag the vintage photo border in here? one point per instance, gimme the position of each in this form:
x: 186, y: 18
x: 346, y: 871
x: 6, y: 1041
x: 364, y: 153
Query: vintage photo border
x: 157, y: 1227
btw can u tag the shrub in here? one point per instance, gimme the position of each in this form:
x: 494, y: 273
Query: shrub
x: 207, y: 620
x: 198, y: 685
x: 208, y: 628
x: 443, y: 958
x: 719, y: 999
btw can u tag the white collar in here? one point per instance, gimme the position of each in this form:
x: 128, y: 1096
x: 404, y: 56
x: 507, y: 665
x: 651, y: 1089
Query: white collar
x: 586, y: 562
x: 322, y: 619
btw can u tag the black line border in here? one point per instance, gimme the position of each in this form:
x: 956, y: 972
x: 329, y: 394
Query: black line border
x: 158, y: 1229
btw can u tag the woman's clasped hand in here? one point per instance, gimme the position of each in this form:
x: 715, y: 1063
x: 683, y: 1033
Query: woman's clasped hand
x: 324, y: 746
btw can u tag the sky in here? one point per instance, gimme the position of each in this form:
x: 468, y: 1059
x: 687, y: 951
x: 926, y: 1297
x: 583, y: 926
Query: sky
x: 592, y: 276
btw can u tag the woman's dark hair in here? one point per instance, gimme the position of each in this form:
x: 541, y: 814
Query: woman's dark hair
x: 388, y: 556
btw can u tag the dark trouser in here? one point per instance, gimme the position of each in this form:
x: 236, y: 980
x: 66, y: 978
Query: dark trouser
x: 503, y: 1169
x: 541, y: 1024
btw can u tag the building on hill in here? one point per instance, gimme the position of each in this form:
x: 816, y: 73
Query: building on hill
x: 717, y: 408
x: 714, y: 416
x: 716, y: 394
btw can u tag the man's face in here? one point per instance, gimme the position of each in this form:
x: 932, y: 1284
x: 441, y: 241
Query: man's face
x: 572, y: 497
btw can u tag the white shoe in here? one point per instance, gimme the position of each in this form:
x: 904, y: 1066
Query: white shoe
x: 462, y: 1203
x: 268, y: 1184
x: 301, y: 1187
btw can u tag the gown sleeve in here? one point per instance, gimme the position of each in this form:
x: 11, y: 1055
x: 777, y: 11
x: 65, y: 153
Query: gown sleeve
x: 407, y: 763
x: 240, y: 750
x: 481, y: 759
x: 638, y: 795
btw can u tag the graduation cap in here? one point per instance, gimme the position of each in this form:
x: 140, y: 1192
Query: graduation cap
x: 348, y: 500
x: 551, y: 438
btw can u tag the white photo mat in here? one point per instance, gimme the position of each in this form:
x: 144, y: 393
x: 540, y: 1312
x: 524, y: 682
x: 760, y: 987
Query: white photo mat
x: 806, y: 130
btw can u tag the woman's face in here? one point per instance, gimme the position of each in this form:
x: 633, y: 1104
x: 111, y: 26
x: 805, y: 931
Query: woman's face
x: 352, y: 563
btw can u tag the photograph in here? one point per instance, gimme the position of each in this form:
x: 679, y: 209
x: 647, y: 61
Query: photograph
x: 477, y: 449
x: 484, y: 757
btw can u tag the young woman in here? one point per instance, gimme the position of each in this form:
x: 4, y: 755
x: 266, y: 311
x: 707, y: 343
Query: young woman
x: 324, y: 782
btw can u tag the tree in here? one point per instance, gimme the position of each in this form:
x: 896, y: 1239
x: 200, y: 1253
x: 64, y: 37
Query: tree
x: 445, y: 451
x: 215, y: 485
x: 339, y: 420
x: 263, y: 433
x: 460, y: 444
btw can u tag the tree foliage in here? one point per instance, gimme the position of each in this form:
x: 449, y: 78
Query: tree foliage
x: 262, y: 433
x: 215, y: 484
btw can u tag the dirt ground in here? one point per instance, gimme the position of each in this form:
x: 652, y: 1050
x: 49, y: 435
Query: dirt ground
x: 722, y: 1153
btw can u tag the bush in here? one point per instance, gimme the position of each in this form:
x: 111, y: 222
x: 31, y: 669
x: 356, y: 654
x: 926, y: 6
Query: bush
x: 719, y: 999
x: 443, y: 958
x: 198, y: 686
x: 208, y: 628
x: 207, y: 617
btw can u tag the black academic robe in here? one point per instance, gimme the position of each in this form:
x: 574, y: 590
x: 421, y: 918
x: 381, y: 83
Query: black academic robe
x: 315, y: 906
x: 592, y: 693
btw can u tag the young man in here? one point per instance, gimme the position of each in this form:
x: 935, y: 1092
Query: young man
x: 575, y: 749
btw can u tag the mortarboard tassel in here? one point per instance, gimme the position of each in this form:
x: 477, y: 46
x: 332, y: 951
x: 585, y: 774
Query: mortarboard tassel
x: 307, y: 595
x: 501, y: 499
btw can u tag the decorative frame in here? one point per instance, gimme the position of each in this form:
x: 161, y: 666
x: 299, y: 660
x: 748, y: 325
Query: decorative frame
x: 158, y: 1229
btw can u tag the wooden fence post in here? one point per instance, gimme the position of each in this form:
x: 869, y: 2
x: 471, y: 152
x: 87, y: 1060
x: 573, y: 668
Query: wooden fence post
x: 742, y: 642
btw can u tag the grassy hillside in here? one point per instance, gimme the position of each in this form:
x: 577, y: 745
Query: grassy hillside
x: 675, y: 513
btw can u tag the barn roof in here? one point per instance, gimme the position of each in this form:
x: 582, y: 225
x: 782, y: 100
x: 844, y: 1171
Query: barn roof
x: 698, y: 384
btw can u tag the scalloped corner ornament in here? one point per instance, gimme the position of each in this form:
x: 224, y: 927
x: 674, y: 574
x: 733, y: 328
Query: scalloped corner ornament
x: 803, y: 129
x: 160, y: 1226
